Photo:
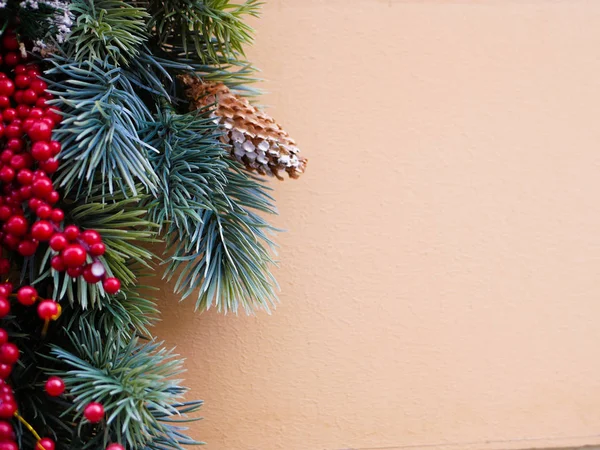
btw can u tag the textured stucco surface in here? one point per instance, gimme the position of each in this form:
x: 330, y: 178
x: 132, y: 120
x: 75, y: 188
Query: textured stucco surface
x: 440, y: 276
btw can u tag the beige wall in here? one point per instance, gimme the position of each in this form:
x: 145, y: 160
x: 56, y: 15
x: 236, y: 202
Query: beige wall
x: 440, y: 277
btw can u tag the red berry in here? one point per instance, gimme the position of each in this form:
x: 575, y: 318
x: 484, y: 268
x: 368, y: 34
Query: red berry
x: 89, y: 276
x: 7, y: 174
x: 74, y: 272
x: 22, y: 81
x: 39, y: 86
x: 6, y: 155
x: 57, y: 215
x: 4, y: 101
x: 42, y: 230
x: 27, y: 248
x: 5, y: 371
x: 12, y: 241
x: 42, y: 187
x: 25, y: 192
x: 53, y: 115
x: 91, y: 237
x: 6, y: 430
x: 9, y: 445
x: 25, y: 177
x: 111, y: 285
x: 55, y: 386
x: 71, y: 232
x: 9, y: 353
x: 27, y: 295
x: 58, y: 242
x: 17, y: 225
x: 44, y: 211
x: 34, y: 203
x: 55, y: 147
x: 40, y: 131
x: 30, y: 96
x: 9, y: 114
x: 3, y: 336
x: 11, y: 59
x: 18, y: 97
x: 33, y: 68
x: 23, y: 111
x: 7, y: 87
x: 48, y: 310
x: 58, y: 264
x: 10, y: 42
x: 41, y: 151
x: 7, y: 410
x: 74, y: 255
x: 50, y: 165
x: 5, y: 213
x: 115, y: 447
x: 46, y: 444
x: 27, y: 123
x: 13, y: 130
x: 15, y: 144
x: 53, y: 197
x: 94, y: 412
x: 36, y: 113
x: 97, y: 249
x: 4, y: 307
x: 4, y: 266
x: 18, y: 162
x: 98, y: 269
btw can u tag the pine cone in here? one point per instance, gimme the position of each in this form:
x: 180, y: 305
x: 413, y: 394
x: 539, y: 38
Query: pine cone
x: 255, y: 138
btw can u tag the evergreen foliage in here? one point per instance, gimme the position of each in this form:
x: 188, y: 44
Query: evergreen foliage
x: 157, y: 182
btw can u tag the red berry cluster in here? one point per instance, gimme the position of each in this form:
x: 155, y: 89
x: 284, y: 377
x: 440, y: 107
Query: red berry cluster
x: 47, y: 309
x: 9, y: 355
x: 28, y: 216
x: 27, y: 160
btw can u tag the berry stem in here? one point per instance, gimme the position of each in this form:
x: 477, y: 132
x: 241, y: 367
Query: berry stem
x: 45, y: 329
x: 28, y: 426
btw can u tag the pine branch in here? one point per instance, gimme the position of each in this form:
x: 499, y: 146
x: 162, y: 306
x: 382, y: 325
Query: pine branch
x: 99, y: 133
x: 216, y: 241
x: 210, y: 28
x: 136, y: 383
x: 190, y: 166
x: 129, y: 312
x: 106, y: 30
x: 226, y: 258
x: 235, y: 72
x: 125, y: 227
x: 154, y: 74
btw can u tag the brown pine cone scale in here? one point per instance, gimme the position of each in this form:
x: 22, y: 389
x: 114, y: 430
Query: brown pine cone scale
x: 254, y: 137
